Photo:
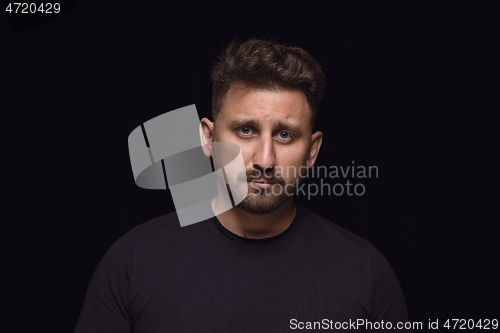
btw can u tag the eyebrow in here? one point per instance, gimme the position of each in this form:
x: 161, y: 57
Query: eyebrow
x: 238, y: 122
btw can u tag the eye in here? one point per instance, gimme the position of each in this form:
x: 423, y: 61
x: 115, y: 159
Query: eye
x: 284, y: 135
x: 245, y: 130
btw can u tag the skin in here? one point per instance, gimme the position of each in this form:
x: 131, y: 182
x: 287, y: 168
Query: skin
x: 273, y: 130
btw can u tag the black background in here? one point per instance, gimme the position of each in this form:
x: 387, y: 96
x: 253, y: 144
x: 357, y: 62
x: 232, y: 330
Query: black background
x: 406, y: 84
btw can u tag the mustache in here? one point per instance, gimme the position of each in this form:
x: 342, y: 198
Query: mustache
x: 255, y: 174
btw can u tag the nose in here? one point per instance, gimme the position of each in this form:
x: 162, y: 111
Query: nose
x: 264, y: 155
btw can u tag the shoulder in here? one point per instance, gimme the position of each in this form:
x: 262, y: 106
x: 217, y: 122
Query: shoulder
x: 152, y: 231
x: 168, y: 223
x: 163, y: 234
x: 334, y: 234
x: 352, y: 252
x: 343, y: 245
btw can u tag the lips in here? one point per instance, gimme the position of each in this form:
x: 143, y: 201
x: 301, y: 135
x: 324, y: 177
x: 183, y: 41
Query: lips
x: 260, y: 181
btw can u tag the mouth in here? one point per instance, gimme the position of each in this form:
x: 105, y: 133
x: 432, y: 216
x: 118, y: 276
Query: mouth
x: 261, y: 183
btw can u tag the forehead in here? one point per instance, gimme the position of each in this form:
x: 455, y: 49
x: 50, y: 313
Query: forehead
x: 266, y: 106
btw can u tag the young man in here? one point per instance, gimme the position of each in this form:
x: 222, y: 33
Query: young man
x: 266, y: 265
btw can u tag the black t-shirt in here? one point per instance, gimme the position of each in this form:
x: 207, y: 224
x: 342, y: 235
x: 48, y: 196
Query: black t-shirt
x: 161, y: 277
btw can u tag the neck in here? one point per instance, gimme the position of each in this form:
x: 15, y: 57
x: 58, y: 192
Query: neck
x: 254, y: 226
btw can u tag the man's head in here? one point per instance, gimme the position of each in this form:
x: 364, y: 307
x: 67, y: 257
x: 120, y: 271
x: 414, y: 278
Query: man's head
x: 265, y: 98
x: 267, y: 65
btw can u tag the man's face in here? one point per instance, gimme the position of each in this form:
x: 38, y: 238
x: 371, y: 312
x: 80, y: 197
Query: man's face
x: 273, y: 131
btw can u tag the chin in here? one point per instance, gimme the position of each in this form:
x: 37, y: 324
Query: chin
x: 262, y: 204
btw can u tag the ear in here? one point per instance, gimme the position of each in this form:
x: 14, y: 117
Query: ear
x: 206, y: 136
x: 316, y: 140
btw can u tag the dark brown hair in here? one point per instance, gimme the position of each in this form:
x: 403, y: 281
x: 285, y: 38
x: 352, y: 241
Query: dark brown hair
x: 266, y: 64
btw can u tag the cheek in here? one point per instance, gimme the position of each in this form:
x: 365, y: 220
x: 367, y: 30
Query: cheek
x: 246, y: 152
x: 225, y: 136
x: 293, y: 155
x: 291, y: 165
